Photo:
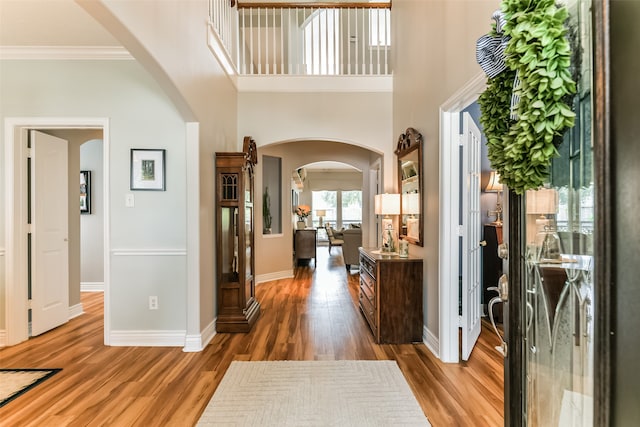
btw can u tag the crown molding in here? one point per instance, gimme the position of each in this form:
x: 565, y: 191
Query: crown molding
x: 62, y: 53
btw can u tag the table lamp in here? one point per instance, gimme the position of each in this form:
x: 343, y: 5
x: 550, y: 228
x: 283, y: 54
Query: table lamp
x: 493, y: 186
x: 320, y: 213
x: 544, y: 201
x: 387, y: 204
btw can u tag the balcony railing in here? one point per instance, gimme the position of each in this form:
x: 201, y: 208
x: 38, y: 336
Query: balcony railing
x: 305, y: 38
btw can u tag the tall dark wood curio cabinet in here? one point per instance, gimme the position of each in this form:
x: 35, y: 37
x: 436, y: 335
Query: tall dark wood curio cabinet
x: 237, y: 305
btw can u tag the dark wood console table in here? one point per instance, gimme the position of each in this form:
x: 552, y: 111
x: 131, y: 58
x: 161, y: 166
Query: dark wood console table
x: 391, y: 296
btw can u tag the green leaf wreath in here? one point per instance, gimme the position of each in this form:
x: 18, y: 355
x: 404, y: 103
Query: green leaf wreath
x: 521, y: 150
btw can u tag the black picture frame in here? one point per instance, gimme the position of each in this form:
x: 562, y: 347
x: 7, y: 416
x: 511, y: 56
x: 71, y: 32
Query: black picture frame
x: 85, y: 192
x: 148, y: 169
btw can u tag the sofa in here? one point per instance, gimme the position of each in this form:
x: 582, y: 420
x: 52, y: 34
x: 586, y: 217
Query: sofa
x: 352, y: 240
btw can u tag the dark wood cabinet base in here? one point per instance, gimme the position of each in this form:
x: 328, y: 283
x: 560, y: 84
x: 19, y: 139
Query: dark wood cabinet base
x: 242, y: 323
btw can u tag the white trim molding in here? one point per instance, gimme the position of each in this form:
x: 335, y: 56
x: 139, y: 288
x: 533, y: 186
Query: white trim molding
x: 149, y: 252
x: 196, y: 343
x: 431, y: 341
x: 91, y: 286
x: 288, y: 83
x: 276, y: 275
x: 448, y: 246
x: 16, y: 309
x: 150, y: 338
x: 63, y: 53
x: 75, y: 311
x: 220, y: 52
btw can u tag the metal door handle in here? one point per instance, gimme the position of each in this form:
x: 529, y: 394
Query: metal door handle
x: 503, y: 344
x: 502, y: 289
x: 503, y: 251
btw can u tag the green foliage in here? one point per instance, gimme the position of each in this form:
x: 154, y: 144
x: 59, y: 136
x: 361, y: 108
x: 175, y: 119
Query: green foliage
x: 266, y: 209
x: 521, y: 150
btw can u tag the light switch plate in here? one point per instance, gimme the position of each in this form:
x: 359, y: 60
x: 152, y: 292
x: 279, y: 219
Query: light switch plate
x: 129, y: 201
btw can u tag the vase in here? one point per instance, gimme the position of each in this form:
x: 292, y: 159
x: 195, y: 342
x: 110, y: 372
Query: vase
x: 302, y: 225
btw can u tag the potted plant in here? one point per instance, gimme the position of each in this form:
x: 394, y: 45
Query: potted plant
x: 303, y: 212
x: 266, y: 211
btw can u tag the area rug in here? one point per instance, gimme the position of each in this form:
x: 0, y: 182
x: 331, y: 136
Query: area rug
x: 14, y: 382
x: 313, y: 393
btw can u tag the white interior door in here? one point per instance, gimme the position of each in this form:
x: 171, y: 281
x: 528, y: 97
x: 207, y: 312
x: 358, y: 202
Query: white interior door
x: 471, y: 253
x: 49, y: 232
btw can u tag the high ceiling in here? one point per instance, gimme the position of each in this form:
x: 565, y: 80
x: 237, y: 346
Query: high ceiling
x: 49, y: 23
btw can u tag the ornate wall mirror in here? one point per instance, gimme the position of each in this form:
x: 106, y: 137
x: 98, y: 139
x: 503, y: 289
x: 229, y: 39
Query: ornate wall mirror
x: 409, y: 152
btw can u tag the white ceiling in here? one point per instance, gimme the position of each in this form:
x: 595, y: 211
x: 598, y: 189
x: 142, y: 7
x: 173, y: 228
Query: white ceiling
x: 49, y: 23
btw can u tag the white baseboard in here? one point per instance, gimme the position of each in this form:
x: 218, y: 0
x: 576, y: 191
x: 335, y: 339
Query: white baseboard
x: 286, y: 274
x: 75, y: 311
x: 431, y: 341
x: 196, y: 343
x: 151, y: 338
x: 3, y: 338
x: 91, y: 286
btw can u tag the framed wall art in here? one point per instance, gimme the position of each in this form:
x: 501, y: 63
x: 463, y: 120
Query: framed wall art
x: 148, y: 169
x: 85, y: 192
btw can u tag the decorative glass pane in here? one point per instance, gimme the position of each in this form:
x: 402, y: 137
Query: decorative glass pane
x: 559, y: 352
x: 229, y: 186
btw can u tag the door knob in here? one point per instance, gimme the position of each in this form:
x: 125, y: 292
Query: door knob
x: 503, y: 251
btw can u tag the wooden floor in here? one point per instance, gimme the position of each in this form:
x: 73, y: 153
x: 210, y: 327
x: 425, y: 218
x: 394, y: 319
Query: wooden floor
x: 310, y: 317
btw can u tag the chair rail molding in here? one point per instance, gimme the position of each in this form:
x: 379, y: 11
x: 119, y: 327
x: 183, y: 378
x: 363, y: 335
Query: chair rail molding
x: 149, y: 252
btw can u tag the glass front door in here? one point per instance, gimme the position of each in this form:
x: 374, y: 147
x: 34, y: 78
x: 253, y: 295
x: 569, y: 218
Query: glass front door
x: 557, y: 302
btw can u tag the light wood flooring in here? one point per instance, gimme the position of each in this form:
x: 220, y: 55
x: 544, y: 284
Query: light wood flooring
x: 313, y: 316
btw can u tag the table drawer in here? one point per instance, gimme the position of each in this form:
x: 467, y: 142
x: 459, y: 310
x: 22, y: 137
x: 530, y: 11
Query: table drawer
x: 369, y: 283
x: 368, y: 294
x: 368, y: 266
x: 369, y: 314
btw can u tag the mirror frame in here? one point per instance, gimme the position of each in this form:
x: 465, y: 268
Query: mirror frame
x: 409, y: 142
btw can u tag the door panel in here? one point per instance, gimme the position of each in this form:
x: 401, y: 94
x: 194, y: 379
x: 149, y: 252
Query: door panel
x: 49, y: 232
x: 471, y: 278
x: 551, y: 312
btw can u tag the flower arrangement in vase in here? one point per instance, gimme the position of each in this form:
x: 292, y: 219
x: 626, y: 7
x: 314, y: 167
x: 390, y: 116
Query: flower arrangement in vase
x: 302, y: 211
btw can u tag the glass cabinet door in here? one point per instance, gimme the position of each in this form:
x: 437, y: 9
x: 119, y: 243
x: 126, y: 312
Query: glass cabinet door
x: 229, y: 248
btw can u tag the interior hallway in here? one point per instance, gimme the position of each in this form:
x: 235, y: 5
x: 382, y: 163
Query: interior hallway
x: 313, y: 316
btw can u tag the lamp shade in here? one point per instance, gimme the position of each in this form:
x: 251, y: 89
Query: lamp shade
x: 494, y: 183
x: 321, y: 212
x: 542, y: 202
x: 387, y: 204
x: 411, y: 203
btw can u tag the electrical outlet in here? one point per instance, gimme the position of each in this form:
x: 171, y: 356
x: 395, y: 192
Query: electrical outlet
x: 153, y: 303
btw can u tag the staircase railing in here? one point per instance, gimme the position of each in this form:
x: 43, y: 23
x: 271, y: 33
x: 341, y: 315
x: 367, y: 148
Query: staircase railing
x: 306, y: 38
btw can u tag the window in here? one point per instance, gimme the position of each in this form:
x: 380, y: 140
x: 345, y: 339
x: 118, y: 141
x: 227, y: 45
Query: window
x: 322, y: 42
x: 349, y: 203
x: 380, y: 27
x: 351, y: 207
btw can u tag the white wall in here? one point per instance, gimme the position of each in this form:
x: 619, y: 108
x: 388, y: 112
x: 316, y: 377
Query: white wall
x: 361, y: 119
x: 91, y: 225
x: 169, y: 39
x: 140, y: 116
x: 433, y: 56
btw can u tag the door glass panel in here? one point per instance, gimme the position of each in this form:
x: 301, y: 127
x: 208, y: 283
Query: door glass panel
x: 559, y: 222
